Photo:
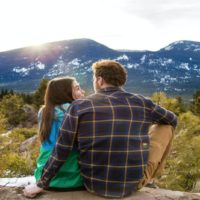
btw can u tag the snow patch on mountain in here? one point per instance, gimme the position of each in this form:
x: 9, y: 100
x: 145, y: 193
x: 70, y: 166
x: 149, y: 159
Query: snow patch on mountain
x: 167, y: 79
x: 183, y: 45
x: 179, y: 90
x: 161, y: 61
x: 75, y: 62
x: 194, y: 45
x: 122, y: 57
x: 75, y: 67
x: 59, y: 68
x: 25, y: 71
x: 36, y: 65
x: 39, y: 65
x: 153, y: 71
x: 142, y: 59
x: 184, y: 66
x: 54, y: 72
x: 179, y: 42
x: 198, y: 49
x: 196, y: 68
x: 168, y: 48
x: 21, y: 70
x: 131, y: 65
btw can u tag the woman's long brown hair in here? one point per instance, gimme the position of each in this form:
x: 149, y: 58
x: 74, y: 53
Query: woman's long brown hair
x: 59, y: 91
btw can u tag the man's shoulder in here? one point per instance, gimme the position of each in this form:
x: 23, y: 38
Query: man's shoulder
x: 136, y: 96
x: 139, y: 99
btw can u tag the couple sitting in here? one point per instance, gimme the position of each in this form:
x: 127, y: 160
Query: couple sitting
x: 112, y: 142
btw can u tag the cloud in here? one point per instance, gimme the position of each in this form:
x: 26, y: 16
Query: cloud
x: 161, y: 12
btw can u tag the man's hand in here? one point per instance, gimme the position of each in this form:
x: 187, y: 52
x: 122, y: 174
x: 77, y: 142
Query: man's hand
x: 32, y: 190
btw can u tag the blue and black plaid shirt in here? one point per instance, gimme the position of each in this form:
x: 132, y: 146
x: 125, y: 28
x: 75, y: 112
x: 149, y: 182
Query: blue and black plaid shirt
x: 111, y: 130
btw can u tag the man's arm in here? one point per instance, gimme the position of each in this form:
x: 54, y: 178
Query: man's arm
x: 63, y: 147
x: 162, y: 116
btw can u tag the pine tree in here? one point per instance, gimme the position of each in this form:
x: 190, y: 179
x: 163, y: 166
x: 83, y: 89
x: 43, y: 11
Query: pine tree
x: 38, y: 97
x: 195, y: 104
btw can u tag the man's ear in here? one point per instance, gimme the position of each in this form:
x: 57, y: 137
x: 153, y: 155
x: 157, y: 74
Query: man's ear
x: 100, y: 81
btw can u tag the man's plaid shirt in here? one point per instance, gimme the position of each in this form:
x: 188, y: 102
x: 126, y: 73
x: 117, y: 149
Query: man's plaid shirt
x: 111, y: 130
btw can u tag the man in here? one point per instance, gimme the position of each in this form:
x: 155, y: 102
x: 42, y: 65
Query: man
x: 111, y: 128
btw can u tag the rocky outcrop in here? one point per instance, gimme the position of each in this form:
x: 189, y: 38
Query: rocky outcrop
x: 25, y: 146
x: 9, y: 193
x: 197, y: 186
x: 15, y: 193
x: 17, y: 182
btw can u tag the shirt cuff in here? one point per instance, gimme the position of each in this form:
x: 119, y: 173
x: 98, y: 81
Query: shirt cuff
x: 42, y: 184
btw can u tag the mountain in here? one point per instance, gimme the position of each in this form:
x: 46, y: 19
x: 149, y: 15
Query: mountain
x: 174, y: 69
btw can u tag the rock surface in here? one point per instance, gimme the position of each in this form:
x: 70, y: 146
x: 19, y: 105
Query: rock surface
x: 24, y: 146
x: 16, y: 182
x: 11, y: 189
x: 10, y: 193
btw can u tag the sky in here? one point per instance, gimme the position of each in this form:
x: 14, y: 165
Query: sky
x: 118, y: 24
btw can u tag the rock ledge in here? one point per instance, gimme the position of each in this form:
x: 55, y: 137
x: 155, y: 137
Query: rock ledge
x: 11, y: 189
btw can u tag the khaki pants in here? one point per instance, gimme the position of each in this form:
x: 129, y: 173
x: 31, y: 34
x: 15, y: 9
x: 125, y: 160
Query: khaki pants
x: 161, y: 137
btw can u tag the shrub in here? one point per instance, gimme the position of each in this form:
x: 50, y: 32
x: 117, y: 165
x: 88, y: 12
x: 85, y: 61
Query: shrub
x: 12, y: 162
x: 3, y: 123
x: 11, y: 107
x: 182, y: 168
x: 14, y: 165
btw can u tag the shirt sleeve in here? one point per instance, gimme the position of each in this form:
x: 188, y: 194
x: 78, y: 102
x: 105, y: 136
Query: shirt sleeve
x: 162, y: 116
x: 63, y: 147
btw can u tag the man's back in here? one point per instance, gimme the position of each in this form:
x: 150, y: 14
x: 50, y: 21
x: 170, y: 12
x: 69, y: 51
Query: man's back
x: 111, y: 129
x: 113, y: 139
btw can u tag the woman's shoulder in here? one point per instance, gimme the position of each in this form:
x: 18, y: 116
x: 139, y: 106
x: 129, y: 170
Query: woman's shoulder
x: 62, y: 107
x: 65, y: 106
x: 60, y: 110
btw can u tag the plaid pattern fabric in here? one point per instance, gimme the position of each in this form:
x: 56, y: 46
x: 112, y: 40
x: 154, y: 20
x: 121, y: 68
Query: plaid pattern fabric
x: 111, y: 130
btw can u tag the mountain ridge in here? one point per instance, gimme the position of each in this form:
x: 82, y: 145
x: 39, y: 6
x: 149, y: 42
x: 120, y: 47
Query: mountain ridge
x: 174, y: 69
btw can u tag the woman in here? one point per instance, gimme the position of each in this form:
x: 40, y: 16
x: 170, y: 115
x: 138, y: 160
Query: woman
x: 59, y: 94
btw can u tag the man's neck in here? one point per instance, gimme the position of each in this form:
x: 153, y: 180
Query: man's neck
x: 105, y: 85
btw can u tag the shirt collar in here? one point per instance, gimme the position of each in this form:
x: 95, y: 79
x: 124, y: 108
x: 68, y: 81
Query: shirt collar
x: 110, y: 89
